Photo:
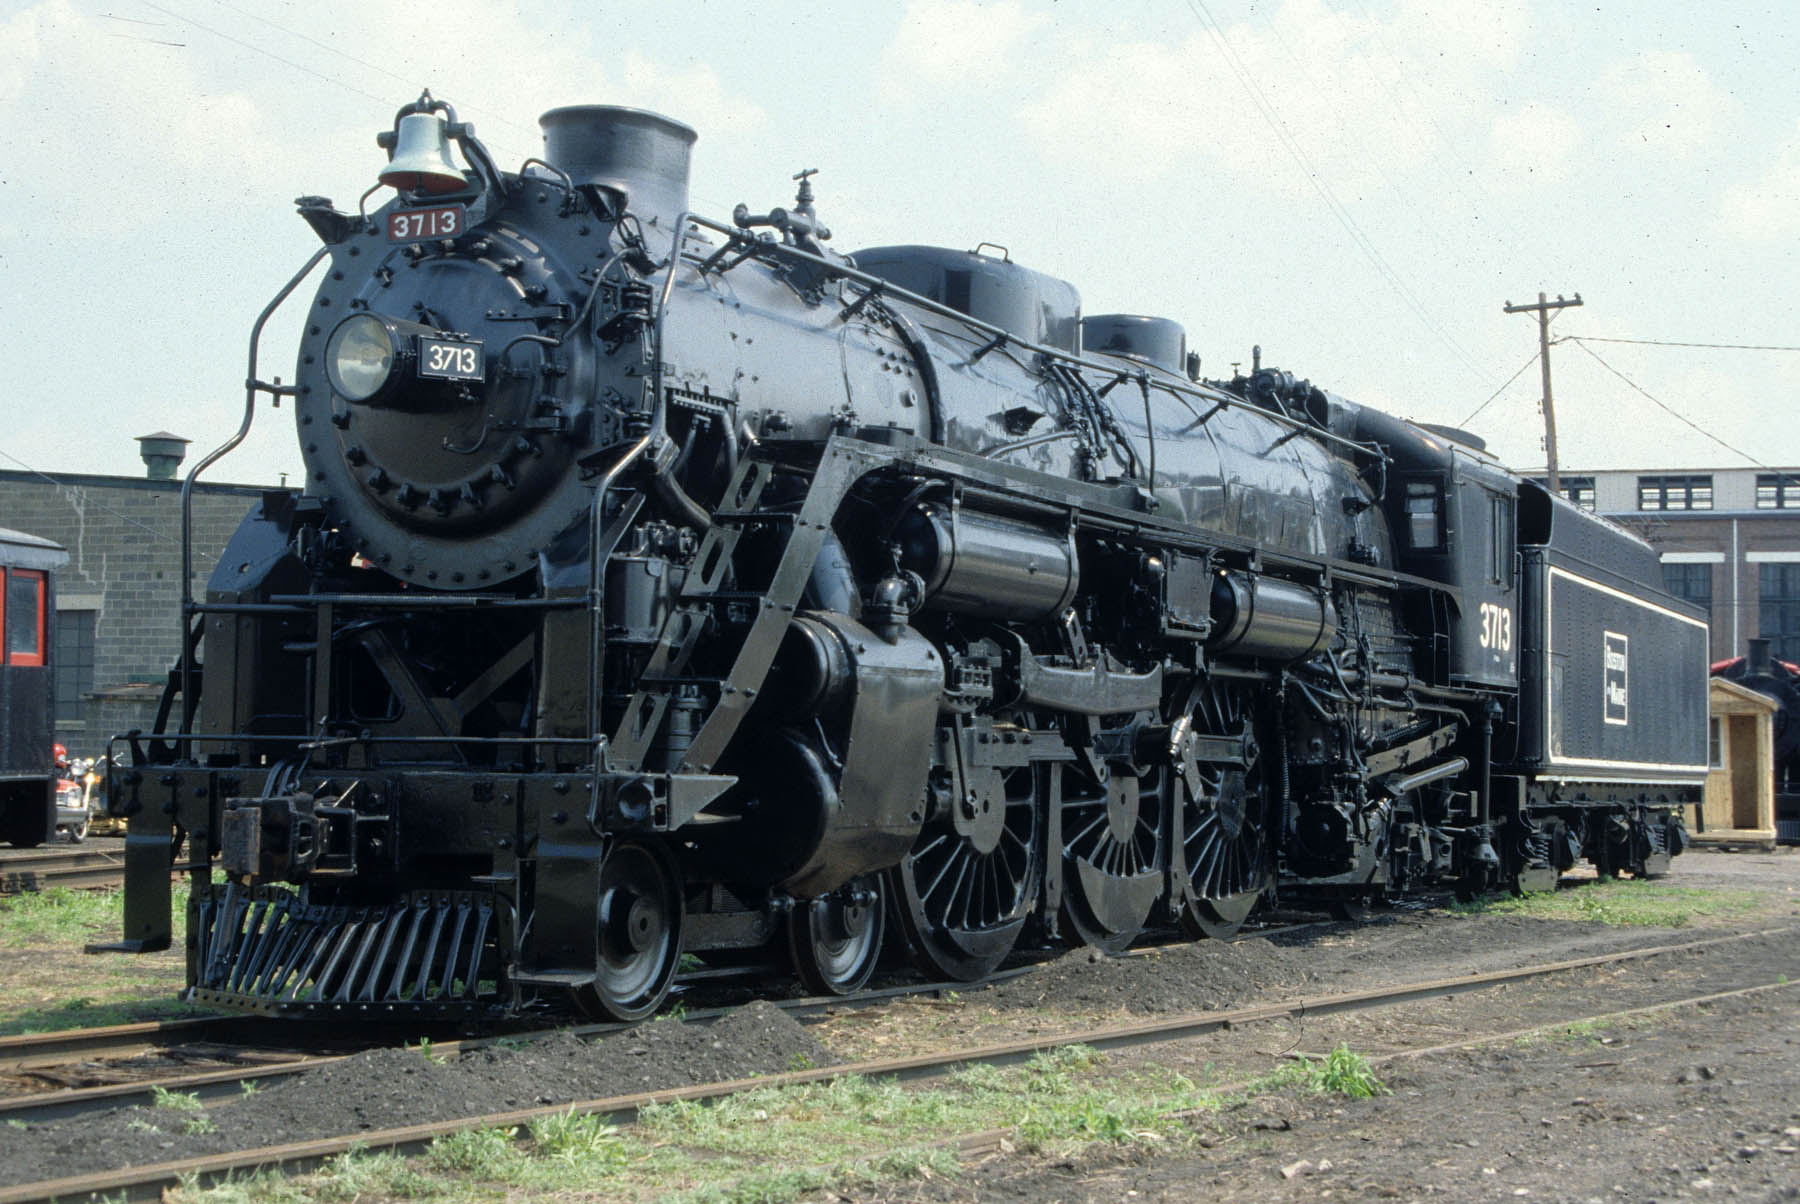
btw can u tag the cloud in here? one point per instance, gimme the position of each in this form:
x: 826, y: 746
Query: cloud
x: 1662, y: 101
x: 954, y: 43
x: 1767, y: 208
x: 1531, y: 147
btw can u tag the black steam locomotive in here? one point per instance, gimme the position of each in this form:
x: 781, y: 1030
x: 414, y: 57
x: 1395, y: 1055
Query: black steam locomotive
x: 670, y: 586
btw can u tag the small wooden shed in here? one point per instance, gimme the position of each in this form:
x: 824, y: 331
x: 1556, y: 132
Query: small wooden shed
x: 1739, y: 806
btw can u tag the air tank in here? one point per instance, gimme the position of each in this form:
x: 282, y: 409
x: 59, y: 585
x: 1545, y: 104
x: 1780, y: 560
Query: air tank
x: 976, y: 564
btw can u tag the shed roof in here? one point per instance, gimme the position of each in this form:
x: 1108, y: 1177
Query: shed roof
x: 1729, y: 697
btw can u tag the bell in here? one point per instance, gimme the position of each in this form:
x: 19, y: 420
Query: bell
x: 421, y: 159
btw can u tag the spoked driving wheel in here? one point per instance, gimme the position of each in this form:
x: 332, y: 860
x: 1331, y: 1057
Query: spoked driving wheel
x: 835, y: 941
x: 1224, y: 851
x: 962, y: 895
x: 1112, y: 861
x: 639, y: 933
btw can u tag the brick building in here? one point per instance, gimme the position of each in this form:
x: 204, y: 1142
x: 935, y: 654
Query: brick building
x: 1729, y: 540
x: 118, y: 602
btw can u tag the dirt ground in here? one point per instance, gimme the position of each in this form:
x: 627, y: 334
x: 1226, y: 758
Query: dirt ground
x: 1701, y: 1106
x: 1687, y: 1104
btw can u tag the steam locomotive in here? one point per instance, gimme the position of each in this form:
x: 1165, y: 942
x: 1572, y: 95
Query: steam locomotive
x: 668, y: 587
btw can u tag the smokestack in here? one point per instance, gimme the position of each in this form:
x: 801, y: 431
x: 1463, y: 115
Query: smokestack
x: 642, y: 156
x: 1757, y: 663
x: 162, y: 453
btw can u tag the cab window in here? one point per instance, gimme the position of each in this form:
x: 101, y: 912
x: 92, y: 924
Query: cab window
x: 1424, y: 516
x: 1500, y: 568
x: 23, y: 617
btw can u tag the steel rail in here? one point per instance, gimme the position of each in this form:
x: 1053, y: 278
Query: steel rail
x: 29, y: 1051
x: 39, y: 871
x: 45, y: 1051
x: 147, y: 1182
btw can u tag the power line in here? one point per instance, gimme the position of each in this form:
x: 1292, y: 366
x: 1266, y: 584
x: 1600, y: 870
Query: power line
x: 1266, y: 109
x: 124, y: 518
x: 1669, y: 410
x: 265, y: 53
x: 1593, y: 338
x: 1490, y: 401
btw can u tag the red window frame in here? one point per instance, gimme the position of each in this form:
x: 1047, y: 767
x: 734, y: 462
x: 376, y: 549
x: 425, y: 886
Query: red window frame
x: 35, y: 657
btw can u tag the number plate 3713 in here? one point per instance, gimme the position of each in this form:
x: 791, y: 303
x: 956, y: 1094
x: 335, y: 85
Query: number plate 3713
x: 412, y: 225
x: 448, y: 359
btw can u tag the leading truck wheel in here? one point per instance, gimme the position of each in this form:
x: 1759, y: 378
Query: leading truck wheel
x: 966, y: 889
x: 835, y: 941
x: 639, y: 937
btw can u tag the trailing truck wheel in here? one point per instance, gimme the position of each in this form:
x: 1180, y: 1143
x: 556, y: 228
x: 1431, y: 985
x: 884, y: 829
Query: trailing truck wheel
x: 639, y: 937
x: 963, y: 894
x: 836, y: 941
x: 1223, y: 856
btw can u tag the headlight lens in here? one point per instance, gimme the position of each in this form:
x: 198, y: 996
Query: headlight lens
x: 359, y: 357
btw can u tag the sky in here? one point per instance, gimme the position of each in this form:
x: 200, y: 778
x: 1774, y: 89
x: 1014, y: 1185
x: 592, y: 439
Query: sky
x: 1357, y: 186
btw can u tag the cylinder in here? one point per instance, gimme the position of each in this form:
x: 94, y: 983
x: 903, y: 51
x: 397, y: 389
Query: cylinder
x: 812, y: 672
x: 995, y: 568
x: 643, y: 156
x: 1270, y: 619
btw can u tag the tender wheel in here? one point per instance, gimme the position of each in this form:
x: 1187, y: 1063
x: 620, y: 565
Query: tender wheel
x: 835, y: 941
x: 1112, y: 862
x: 964, y: 892
x: 1224, y: 849
x: 639, y: 940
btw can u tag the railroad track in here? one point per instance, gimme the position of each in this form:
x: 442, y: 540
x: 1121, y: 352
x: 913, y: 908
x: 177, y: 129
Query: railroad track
x: 91, y: 869
x: 147, y: 1182
x: 239, y: 1048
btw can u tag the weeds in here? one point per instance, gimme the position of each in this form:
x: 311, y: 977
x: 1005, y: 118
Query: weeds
x: 772, y: 1145
x: 1632, y: 903
x: 176, y: 1101
x: 1347, y: 1073
x: 574, y: 1137
x: 488, y: 1153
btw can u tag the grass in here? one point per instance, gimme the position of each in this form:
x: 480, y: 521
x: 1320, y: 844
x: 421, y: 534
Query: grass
x: 778, y: 1144
x: 48, y: 982
x: 1631, y: 903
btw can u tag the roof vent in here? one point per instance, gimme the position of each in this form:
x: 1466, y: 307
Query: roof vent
x: 163, y: 454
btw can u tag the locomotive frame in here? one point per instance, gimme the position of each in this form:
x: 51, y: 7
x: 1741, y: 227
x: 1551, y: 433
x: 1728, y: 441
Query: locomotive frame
x: 784, y: 623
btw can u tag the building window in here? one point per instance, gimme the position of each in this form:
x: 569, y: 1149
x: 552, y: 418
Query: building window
x: 1777, y: 491
x: 1578, y: 491
x: 74, y: 661
x: 1715, y: 743
x: 1691, y: 582
x: 1675, y: 493
x: 1778, y: 609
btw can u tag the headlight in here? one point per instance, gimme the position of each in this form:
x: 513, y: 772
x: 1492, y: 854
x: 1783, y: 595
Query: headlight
x: 359, y: 356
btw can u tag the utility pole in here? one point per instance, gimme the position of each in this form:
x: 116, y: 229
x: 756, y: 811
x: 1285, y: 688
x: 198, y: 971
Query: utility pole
x: 1542, y: 310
